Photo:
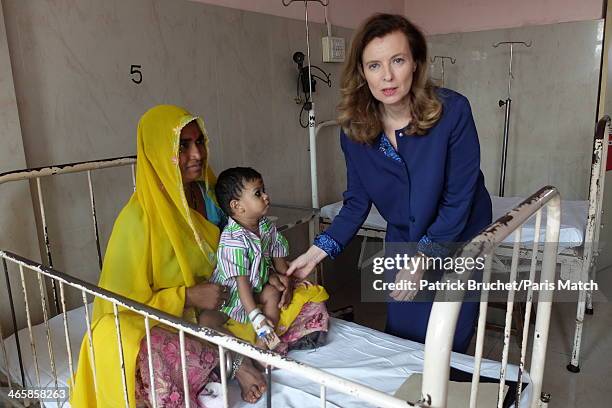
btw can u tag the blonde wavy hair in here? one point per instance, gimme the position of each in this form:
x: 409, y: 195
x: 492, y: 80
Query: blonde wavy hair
x: 358, y: 111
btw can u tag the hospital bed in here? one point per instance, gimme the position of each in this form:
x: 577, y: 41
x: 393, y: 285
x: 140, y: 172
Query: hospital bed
x: 394, y: 360
x: 579, y: 235
x: 357, y: 367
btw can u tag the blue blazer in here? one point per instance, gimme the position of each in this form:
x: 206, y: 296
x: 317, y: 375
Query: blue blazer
x: 435, y: 197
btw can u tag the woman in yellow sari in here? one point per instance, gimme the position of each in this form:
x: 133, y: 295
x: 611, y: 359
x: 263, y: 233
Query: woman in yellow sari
x: 161, y: 253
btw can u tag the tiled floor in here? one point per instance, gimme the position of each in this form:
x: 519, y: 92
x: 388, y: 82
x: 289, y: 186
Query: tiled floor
x: 589, y: 388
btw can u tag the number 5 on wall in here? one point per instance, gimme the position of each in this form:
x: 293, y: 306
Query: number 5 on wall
x: 135, y: 70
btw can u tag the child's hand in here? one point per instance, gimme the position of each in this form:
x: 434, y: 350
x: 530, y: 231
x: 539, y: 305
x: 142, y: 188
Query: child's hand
x: 260, y: 323
x: 285, y: 285
x: 265, y: 331
x: 304, y: 283
x: 267, y: 334
x: 259, y: 320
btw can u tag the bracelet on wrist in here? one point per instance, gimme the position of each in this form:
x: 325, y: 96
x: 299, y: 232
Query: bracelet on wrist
x: 236, y: 363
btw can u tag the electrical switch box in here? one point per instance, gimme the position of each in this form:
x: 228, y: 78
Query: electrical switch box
x: 334, y: 49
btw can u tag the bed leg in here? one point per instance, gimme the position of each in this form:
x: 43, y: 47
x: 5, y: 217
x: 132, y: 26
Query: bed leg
x: 589, y: 294
x: 269, y: 386
x: 362, y: 252
x: 572, y: 368
x: 544, y: 399
x: 574, y: 365
x: 319, y: 279
x: 589, y: 303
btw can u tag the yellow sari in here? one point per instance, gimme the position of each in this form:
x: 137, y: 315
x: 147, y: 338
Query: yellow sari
x: 159, y: 246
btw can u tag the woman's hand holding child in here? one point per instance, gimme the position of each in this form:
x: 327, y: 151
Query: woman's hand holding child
x: 206, y: 296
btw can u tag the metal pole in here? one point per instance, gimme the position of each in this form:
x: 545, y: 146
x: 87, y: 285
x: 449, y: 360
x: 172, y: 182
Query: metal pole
x: 269, y: 386
x: 542, y: 324
x: 508, y: 322
x: 29, y: 320
x: 67, y: 333
x: 187, y: 398
x: 502, y: 176
x: 480, y: 333
x: 10, y: 293
x: 508, y: 103
x: 312, y: 137
x: 6, y: 360
x: 92, y: 355
x: 92, y: 202
x: 528, y: 304
x: 47, y: 242
x: 224, y: 374
x: 150, y: 361
x: 121, y: 359
x: 313, y: 224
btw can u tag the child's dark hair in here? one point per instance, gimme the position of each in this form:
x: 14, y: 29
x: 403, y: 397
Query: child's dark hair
x: 230, y: 184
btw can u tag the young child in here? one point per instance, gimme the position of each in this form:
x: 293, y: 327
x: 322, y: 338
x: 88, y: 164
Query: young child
x: 249, y: 248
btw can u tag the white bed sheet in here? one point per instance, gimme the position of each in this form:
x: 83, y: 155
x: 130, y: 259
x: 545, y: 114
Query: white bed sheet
x: 573, y: 219
x: 354, y: 352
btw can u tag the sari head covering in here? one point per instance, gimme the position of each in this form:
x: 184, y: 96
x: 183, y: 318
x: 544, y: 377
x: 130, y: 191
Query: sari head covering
x: 159, y: 246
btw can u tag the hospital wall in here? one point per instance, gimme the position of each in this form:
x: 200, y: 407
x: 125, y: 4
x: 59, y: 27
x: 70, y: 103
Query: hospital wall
x: 343, y: 13
x: 76, y: 100
x: 450, y: 16
x: 554, y: 100
x: 435, y: 16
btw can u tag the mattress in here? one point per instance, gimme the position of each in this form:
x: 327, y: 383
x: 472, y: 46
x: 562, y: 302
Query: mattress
x: 573, y: 220
x: 355, y: 352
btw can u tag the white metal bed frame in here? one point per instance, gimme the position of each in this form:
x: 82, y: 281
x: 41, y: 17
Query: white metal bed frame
x: 577, y: 263
x: 439, y: 337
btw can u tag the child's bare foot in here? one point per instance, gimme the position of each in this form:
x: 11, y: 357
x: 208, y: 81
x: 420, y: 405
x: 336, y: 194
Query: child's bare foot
x: 252, y: 382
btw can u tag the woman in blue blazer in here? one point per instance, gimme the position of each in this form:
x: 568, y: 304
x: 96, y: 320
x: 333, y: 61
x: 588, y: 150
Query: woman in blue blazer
x: 412, y: 150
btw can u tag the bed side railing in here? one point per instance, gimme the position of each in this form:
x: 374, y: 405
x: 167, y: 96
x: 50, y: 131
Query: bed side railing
x: 37, y: 174
x: 439, y: 341
x: 224, y: 342
x: 603, y: 130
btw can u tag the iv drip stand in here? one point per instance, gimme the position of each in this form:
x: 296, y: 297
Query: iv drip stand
x: 313, y: 227
x: 311, y: 113
x: 508, y: 103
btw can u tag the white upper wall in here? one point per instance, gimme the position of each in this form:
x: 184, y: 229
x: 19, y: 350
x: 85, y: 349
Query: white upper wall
x: 452, y: 16
x: 343, y: 13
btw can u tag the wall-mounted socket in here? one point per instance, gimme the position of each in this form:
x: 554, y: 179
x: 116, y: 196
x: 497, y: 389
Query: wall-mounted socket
x: 334, y: 49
